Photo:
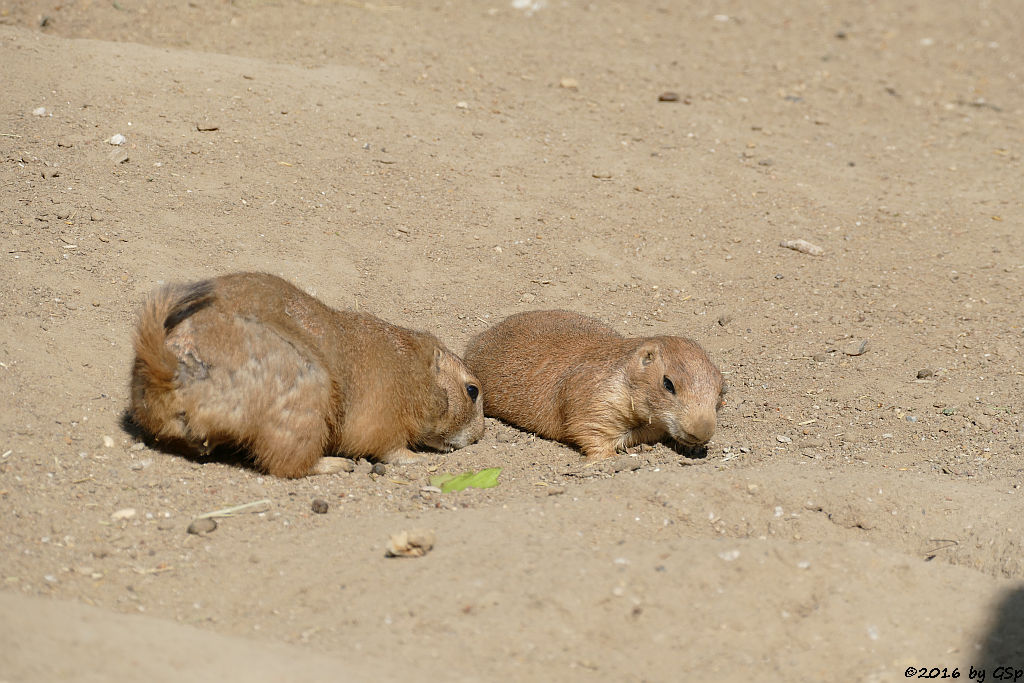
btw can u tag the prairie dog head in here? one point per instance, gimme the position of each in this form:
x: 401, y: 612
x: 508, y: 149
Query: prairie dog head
x: 460, y: 418
x: 676, y: 387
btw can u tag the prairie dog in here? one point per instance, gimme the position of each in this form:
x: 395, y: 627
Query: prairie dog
x: 574, y: 379
x: 250, y: 359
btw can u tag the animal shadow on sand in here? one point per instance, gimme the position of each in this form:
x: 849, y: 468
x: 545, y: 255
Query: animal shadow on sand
x: 1004, y: 643
x: 688, y: 452
x: 225, y: 454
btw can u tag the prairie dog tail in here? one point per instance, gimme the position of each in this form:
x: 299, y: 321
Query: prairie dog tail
x: 153, y: 400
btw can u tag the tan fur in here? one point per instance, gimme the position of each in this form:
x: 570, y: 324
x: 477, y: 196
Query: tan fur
x: 574, y: 379
x: 251, y: 360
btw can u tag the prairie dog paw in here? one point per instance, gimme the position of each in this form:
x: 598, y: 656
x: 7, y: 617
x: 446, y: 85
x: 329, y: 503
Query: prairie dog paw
x: 403, y: 456
x: 331, y: 465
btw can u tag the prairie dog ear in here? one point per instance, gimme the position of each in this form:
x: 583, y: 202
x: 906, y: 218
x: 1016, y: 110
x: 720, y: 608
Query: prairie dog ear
x: 647, y: 353
x: 438, y: 355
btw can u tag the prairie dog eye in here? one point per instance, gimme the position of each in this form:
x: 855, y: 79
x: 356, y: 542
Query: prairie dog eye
x: 473, y: 391
x: 667, y: 383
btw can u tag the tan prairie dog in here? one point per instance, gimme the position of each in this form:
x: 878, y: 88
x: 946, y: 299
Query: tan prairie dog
x: 251, y: 360
x: 568, y: 377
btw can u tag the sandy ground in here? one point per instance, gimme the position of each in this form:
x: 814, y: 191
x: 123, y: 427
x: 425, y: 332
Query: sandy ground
x: 447, y: 164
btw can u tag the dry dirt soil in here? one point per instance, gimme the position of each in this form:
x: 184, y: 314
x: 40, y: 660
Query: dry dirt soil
x: 858, y: 515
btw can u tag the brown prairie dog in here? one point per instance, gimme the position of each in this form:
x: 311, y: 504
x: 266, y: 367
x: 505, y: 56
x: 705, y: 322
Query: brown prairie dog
x: 250, y: 359
x: 572, y: 378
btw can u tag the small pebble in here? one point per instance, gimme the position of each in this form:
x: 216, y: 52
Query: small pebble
x: 96, y: 217
x: 117, y: 139
x: 569, y: 83
x: 378, y: 468
x: 724, y: 319
x: 108, y: 442
x: 668, y: 96
x: 924, y: 373
x: 203, y: 525
x: 123, y: 513
x: 911, y: 418
x: 949, y: 411
x: 528, y: 298
x: 320, y: 506
x: 783, y: 439
x: 856, y: 348
x: 413, y: 543
x: 39, y: 111
x: 820, y: 357
x: 803, y: 246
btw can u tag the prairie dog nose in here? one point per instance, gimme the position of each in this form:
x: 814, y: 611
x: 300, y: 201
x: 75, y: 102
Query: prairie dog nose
x: 701, y: 427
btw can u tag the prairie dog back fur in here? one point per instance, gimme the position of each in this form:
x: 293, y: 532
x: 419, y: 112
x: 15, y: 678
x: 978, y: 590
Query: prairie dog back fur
x: 250, y: 359
x: 574, y: 379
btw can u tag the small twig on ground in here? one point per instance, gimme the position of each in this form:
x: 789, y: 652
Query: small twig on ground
x: 236, y: 510
x: 947, y: 543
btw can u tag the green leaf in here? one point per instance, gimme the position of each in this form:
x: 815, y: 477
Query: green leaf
x: 439, y: 480
x: 484, y: 479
